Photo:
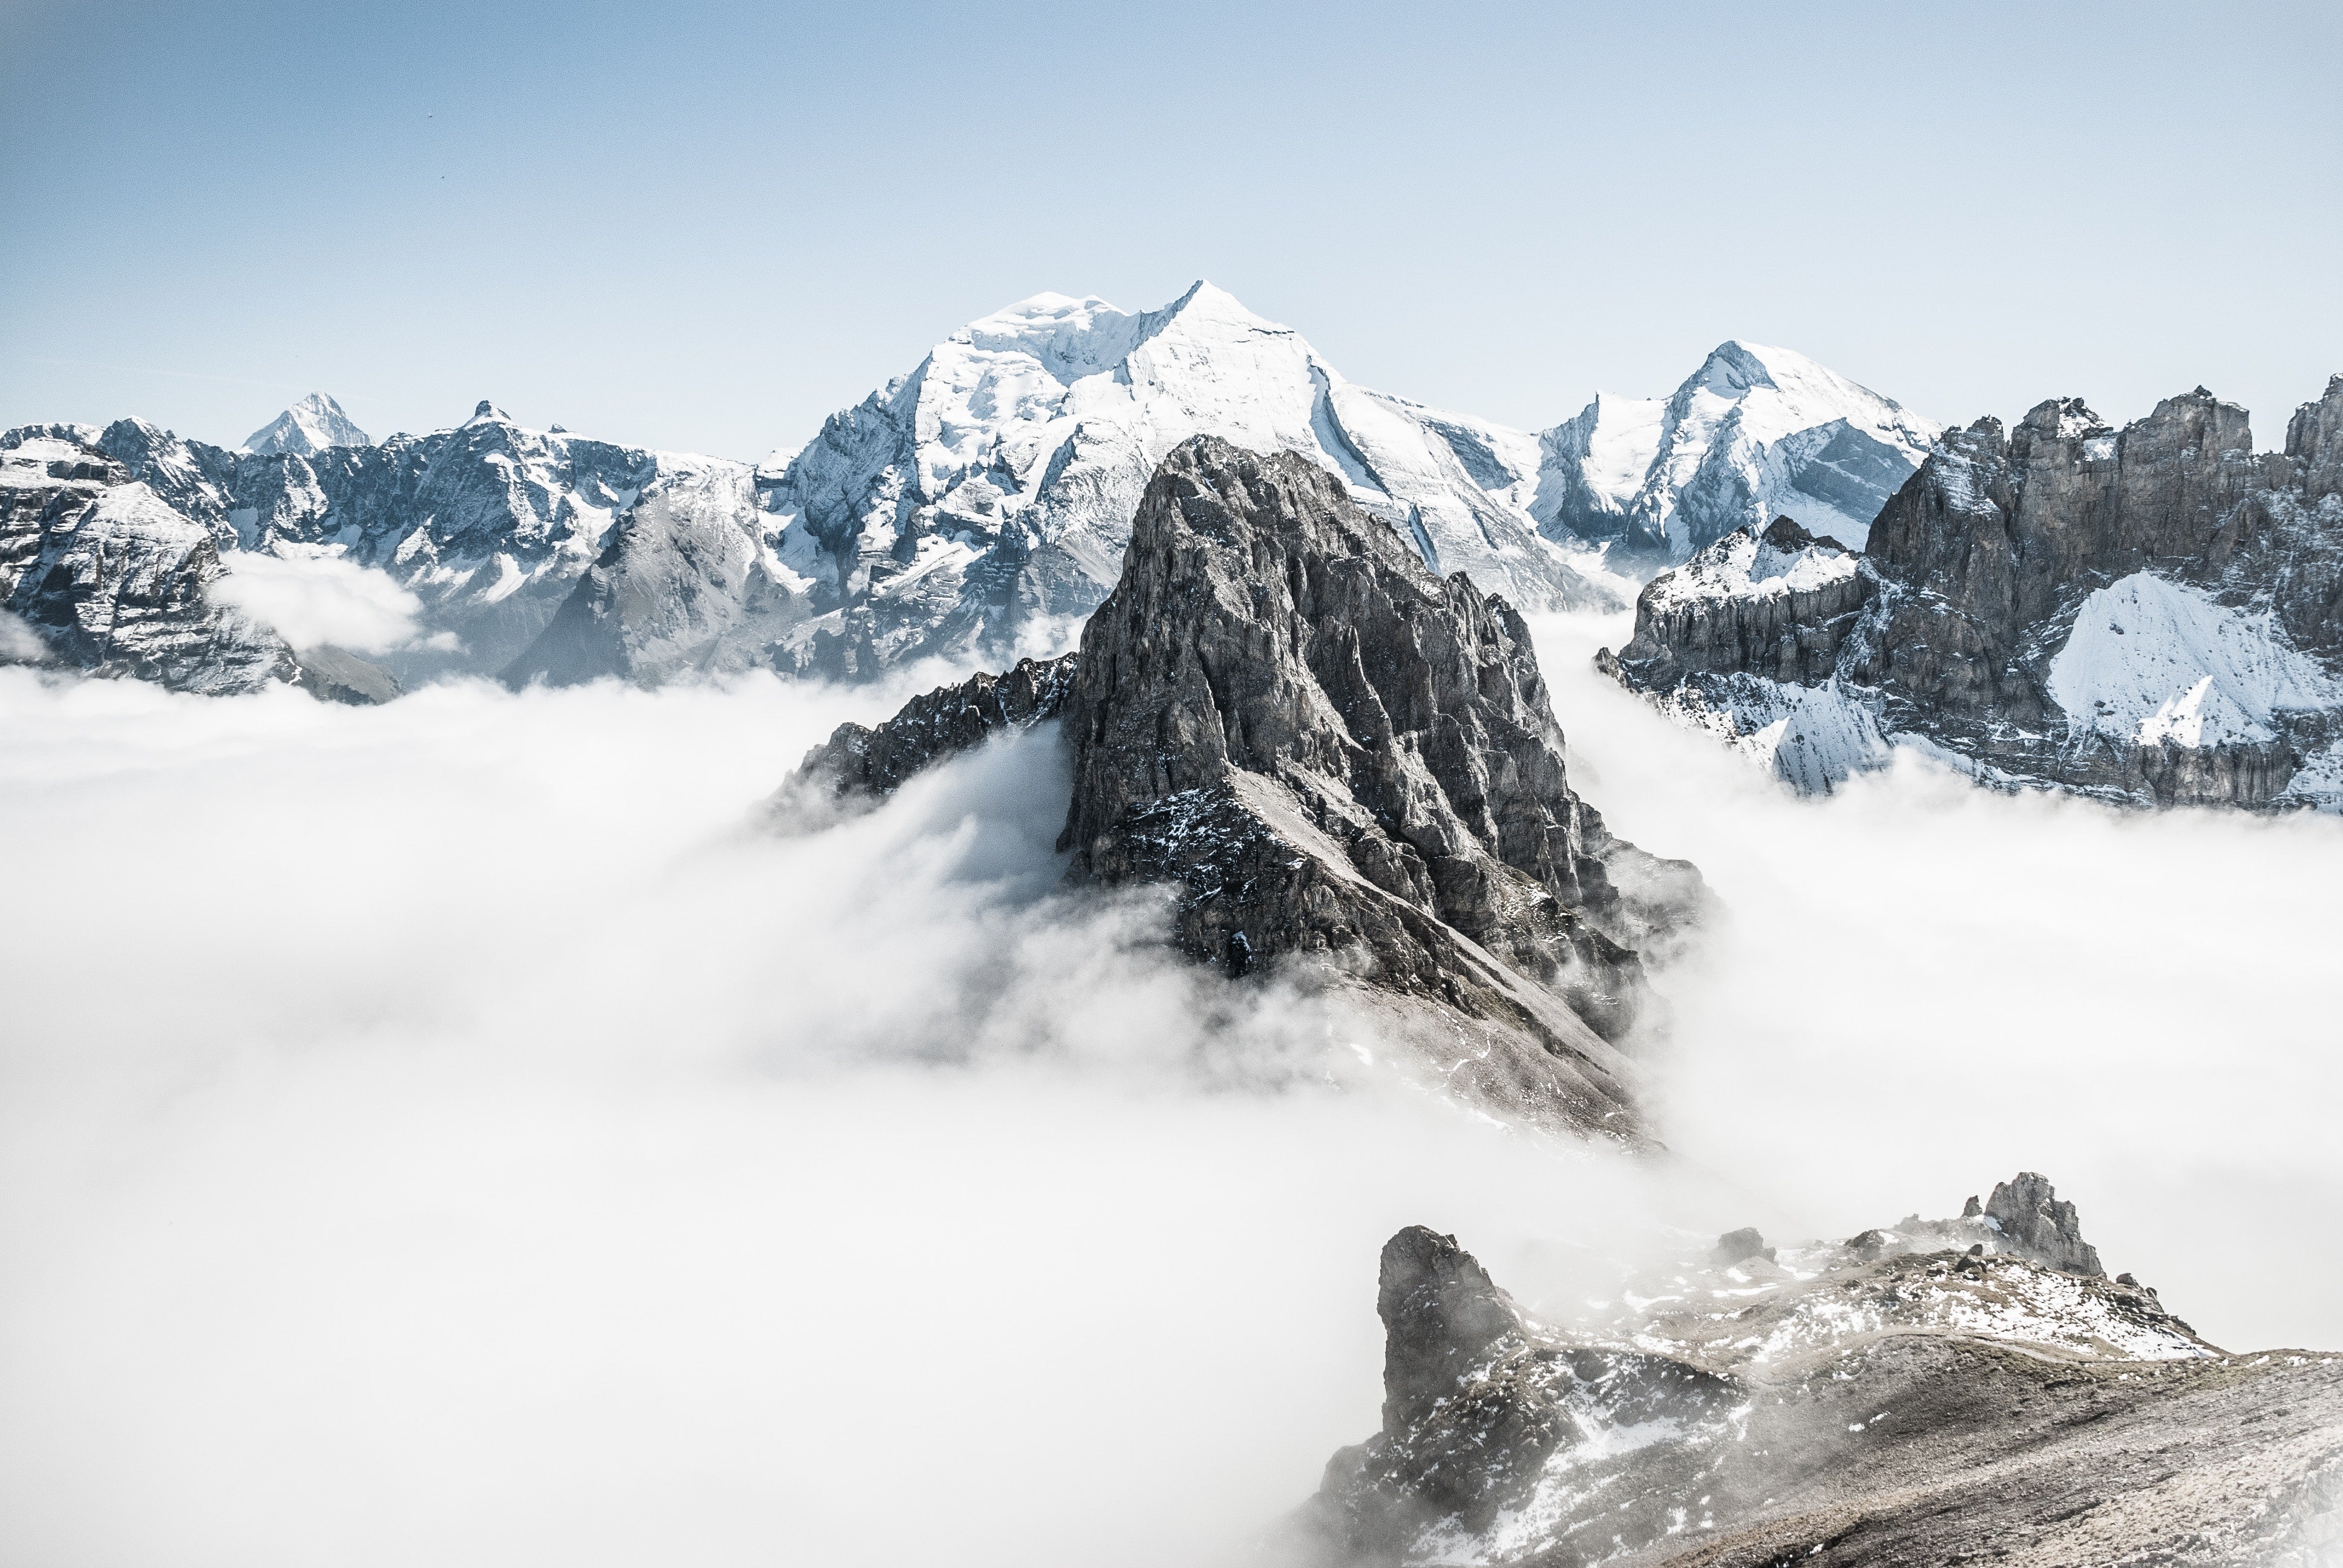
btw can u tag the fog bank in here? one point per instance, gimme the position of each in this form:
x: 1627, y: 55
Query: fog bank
x: 458, y: 1131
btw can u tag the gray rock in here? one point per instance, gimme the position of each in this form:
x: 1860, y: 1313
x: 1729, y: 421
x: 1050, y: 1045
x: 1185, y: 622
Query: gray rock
x: 113, y: 580
x: 860, y: 763
x: 1898, y: 1410
x: 1738, y: 1246
x: 1342, y: 763
x: 1974, y: 576
x: 2033, y: 1224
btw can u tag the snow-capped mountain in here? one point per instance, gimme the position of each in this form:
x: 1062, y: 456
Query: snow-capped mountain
x: 309, y: 426
x: 489, y: 524
x: 1755, y: 433
x: 1939, y: 1391
x: 101, y: 571
x: 983, y: 500
x: 2148, y: 614
x: 978, y: 507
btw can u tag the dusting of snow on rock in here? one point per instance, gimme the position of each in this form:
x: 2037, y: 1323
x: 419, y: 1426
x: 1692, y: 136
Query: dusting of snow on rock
x: 1745, y: 565
x: 1814, y: 738
x: 2151, y: 660
x: 309, y: 426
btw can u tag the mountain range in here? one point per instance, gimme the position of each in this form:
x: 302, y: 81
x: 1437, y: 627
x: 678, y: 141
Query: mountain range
x: 976, y: 507
x: 2152, y: 616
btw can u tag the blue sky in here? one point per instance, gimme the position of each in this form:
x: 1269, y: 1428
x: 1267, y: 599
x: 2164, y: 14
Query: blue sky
x: 704, y: 227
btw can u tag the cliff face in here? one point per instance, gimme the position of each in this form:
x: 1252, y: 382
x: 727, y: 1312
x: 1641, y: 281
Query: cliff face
x: 1337, y: 760
x: 2153, y: 614
x: 1939, y: 1391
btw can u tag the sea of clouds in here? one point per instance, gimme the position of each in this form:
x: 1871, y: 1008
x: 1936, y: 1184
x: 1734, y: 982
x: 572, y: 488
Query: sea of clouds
x: 465, y: 1130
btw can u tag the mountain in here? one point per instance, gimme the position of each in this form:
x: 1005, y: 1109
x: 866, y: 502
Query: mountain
x: 100, y: 572
x: 1345, y: 767
x: 1753, y: 434
x: 979, y: 505
x: 978, y: 508
x: 490, y: 524
x: 308, y: 427
x: 2152, y: 615
x: 1947, y: 1391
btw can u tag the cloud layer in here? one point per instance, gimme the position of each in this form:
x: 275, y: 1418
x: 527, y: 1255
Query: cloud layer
x: 454, y: 1129
x: 312, y: 601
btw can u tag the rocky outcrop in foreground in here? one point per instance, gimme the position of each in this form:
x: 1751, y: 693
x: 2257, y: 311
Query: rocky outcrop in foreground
x: 2153, y: 615
x: 1910, y: 1395
x: 1342, y: 767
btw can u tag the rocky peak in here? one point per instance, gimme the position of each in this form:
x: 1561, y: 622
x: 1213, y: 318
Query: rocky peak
x: 1342, y: 765
x: 1909, y: 1396
x: 1442, y: 1318
x: 2314, y: 439
x: 487, y: 413
x: 2029, y: 1216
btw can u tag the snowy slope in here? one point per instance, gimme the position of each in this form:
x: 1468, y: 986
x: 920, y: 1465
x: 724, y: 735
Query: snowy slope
x: 1755, y: 433
x: 986, y: 497
x: 2151, y: 660
x: 310, y: 426
x: 1593, y: 466
x: 1747, y: 565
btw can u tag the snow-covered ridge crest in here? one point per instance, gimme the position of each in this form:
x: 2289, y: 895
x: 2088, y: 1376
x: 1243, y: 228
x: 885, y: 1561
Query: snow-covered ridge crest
x: 991, y: 489
x: 1769, y: 425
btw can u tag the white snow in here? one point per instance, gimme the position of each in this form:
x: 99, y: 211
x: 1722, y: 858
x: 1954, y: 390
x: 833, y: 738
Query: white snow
x: 1812, y: 738
x: 1741, y: 564
x: 1053, y: 413
x: 26, y: 463
x: 1736, y: 437
x: 2152, y: 660
x: 310, y: 426
x: 1625, y: 439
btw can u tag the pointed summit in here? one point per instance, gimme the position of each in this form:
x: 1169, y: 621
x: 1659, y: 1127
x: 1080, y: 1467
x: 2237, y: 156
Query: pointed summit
x: 488, y: 413
x: 309, y: 426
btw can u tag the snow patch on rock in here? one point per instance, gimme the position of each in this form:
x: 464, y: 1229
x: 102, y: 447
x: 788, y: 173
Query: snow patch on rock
x: 2151, y: 660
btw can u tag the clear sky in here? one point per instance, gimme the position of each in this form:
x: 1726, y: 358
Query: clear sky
x: 705, y: 226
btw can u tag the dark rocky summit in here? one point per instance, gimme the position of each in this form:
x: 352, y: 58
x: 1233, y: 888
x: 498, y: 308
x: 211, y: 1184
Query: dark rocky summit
x: 1912, y: 1403
x: 2152, y: 615
x: 1338, y: 761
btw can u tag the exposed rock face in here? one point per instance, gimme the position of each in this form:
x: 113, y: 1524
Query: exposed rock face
x: 858, y: 762
x: 2152, y: 615
x: 1340, y: 759
x: 1916, y: 1404
x: 2035, y: 1225
x: 106, y: 576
